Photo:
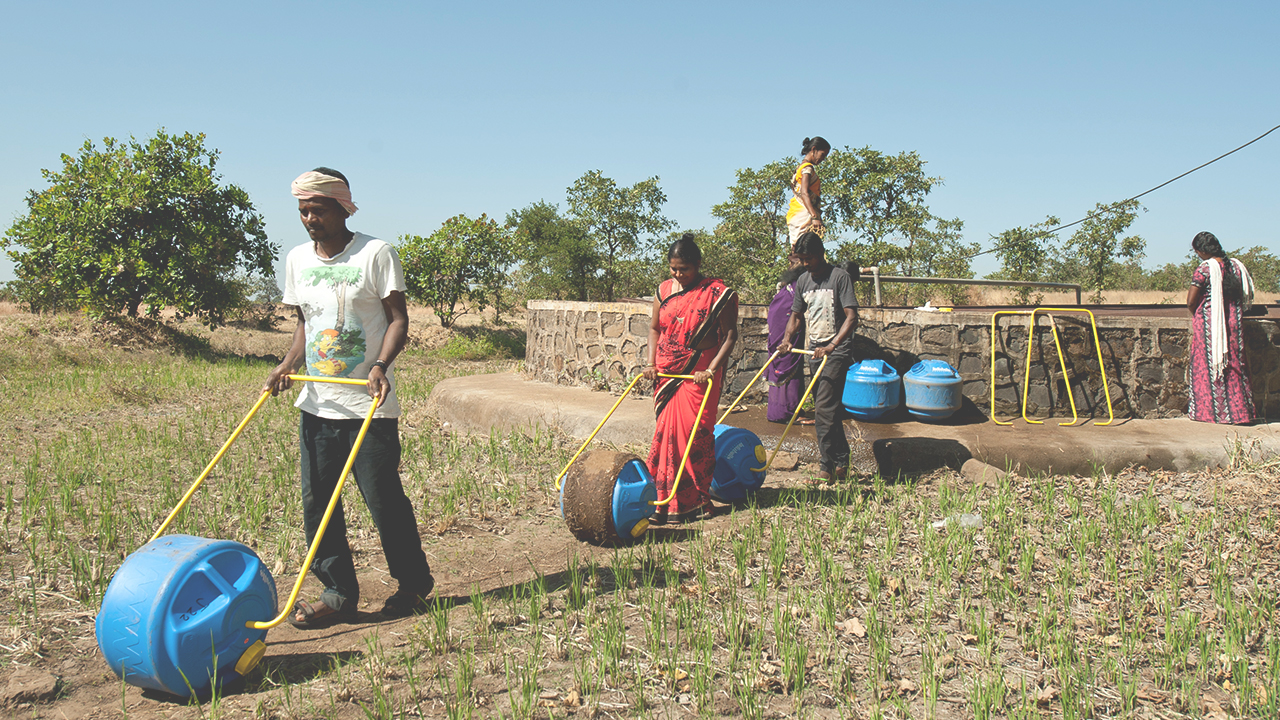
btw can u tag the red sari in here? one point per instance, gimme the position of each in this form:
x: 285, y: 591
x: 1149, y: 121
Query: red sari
x: 686, y: 319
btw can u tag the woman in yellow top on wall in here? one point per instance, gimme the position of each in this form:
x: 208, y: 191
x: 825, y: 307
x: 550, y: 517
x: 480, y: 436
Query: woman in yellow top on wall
x: 805, y: 212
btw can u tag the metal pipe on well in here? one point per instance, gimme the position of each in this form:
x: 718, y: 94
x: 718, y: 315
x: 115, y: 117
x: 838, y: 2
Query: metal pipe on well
x: 877, y: 278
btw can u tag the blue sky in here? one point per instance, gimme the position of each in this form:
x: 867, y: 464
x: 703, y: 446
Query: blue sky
x: 1026, y: 109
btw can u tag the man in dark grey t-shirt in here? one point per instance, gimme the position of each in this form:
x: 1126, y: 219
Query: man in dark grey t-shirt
x: 824, y: 296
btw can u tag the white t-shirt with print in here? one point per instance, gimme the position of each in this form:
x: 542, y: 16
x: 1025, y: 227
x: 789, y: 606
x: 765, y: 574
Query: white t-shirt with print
x: 341, y: 301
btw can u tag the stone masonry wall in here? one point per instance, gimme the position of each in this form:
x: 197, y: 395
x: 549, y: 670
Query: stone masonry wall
x: 603, y: 345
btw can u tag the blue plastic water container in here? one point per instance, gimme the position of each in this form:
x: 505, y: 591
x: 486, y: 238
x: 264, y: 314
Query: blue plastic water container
x: 173, y: 618
x: 933, y: 390
x: 871, y: 389
x: 633, y: 498
x: 738, y: 453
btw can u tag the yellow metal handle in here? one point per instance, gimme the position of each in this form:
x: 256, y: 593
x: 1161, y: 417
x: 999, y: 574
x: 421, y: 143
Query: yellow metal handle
x: 1102, y: 368
x: 822, y: 365
x: 338, y: 381
x: 689, y: 445
x: 994, y: 316
x: 209, y: 468
x: 593, y: 432
x: 328, y: 512
x: 747, y: 389
x: 1062, y: 363
x: 1093, y: 324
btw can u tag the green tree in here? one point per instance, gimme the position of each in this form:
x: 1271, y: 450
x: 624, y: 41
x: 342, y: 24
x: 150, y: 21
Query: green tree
x: 1262, y: 264
x: 877, y: 201
x: 458, y: 268
x: 749, y: 246
x: 1024, y: 253
x: 1172, y: 277
x: 616, y: 219
x: 940, y: 251
x: 559, y: 259
x: 1263, y: 267
x: 874, y: 209
x: 1090, y: 255
x: 137, y: 223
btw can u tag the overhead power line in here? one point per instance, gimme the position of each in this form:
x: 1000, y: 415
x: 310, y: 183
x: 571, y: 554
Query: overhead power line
x: 1145, y: 192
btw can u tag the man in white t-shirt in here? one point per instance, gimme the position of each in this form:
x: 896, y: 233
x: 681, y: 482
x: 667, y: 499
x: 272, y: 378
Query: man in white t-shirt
x: 348, y: 288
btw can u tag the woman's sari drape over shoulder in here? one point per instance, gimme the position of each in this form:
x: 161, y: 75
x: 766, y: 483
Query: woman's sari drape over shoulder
x: 686, y: 319
x: 1218, y: 373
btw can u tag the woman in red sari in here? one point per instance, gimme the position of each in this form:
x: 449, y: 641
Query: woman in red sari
x: 693, y: 329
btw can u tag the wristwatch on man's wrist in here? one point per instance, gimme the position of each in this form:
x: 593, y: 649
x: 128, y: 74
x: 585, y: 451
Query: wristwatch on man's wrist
x: 381, y: 364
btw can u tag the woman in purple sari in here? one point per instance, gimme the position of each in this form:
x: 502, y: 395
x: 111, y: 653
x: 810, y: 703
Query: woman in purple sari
x: 1221, y: 291
x: 785, y: 374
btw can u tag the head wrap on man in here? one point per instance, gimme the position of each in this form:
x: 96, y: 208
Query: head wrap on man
x: 312, y: 184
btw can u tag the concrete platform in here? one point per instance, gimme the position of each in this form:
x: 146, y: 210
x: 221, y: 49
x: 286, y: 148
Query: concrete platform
x: 507, y: 401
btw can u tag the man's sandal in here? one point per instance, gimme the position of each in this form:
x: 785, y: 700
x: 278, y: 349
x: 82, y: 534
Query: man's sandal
x: 315, y: 617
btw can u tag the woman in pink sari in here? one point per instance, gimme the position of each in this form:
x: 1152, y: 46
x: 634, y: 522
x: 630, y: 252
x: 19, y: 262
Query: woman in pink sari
x: 1221, y: 291
x: 693, y: 329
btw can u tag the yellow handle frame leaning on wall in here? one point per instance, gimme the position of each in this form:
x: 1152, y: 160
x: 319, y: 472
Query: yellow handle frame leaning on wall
x: 994, y: 316
x: 1062, y: 362
x: 1097, y: 344
x: 609, y: 414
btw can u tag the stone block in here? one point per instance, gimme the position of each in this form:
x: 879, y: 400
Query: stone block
x: 976, y: 390
x: 899, y: 335
x: 1038, y: 396
x: 1173, y: 343
x: 1147, y: 402
x: 590, y: 317
x: 1145, y: 341
x: 1004, y: 366
x: 639, y: 325
x: 937, y: 338
x: 593, y: 351
x: 590, y: 333
x: 611, y: 324
x: 972, y: 335
x: 1117, y: 344
x: 972, y: 365
x: 753, y: 327
x: 1151, y: 371
x: 1008, y: 394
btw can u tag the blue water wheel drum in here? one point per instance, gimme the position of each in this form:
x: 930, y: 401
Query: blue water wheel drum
x: 173, y: 618
x: 738, y: 453
x: 605, y: 498
x: 933, y: 390
x: 871, y: 389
